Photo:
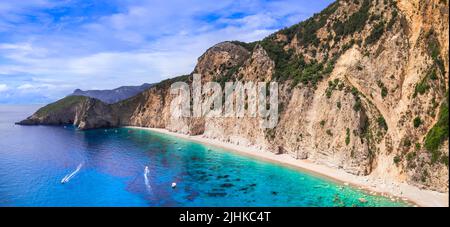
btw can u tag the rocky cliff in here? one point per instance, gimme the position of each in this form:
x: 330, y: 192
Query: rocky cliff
x: 363, y: 86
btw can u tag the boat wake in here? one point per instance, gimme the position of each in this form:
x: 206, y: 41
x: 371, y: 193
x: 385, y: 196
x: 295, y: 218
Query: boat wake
x: 69, y: 176
x: 147, y: 182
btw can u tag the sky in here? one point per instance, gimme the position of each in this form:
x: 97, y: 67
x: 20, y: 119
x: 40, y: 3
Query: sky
x: 48, y: 48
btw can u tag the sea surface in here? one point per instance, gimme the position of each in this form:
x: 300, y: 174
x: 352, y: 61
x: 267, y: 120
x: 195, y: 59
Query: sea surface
x: 62, y: 166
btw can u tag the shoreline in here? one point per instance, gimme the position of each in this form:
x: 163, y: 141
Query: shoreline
x: 393, y: 190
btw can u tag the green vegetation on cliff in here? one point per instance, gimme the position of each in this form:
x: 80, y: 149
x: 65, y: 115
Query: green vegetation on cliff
x: 347, y: 136
x: 248, y: 46
x: 434, y: 50
x: 423, y: 86
x: 306, y: 30
x: 289, y: 65
x: 59, y: 105
x: 169, y: 82
x: 376, y: 33
x: 382, y: 123
x: 438, y: 133
x: 355, y: 22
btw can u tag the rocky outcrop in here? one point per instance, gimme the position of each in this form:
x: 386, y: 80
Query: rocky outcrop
x: 85, y: 112
x: 221, y: 61
x: 363, y: 86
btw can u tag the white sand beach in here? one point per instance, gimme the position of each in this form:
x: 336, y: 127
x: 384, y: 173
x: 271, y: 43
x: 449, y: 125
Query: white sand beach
x: 393, y: 190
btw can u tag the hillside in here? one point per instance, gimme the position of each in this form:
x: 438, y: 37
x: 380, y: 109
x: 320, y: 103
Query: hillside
x: 363, y: 88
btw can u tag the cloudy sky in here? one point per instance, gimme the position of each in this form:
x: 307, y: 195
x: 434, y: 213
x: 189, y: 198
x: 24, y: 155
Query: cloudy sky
x: 50, y: 47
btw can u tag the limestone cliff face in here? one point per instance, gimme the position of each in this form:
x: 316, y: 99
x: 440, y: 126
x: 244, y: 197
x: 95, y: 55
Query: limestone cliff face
x: 363, y: 86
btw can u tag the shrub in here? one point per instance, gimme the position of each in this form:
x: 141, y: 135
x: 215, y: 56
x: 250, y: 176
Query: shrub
x: 410, y: 156
x: 376, y: 33
x: 329, y: 68
x: 384, y: 92
x: 355, y: 22
x: 424, y: 176
x: 422, y: 87
x: 357, y: 107
x: 444, y: 160
x: 397, y: 159
x: 329, y: 132
x: 306, y: 32
x: 438, y: 133
x: 432, y: 74
x: 331, y: 86
x: 328, y: 93
x: 407, y: 142
x: 418, y: 146
x: 382, y: 123
x: 347, y: 137
x: 392, y: 21
x: 248, y: 46
x: 417, y: 122
x: 434, y: 49
x: 292, y: 66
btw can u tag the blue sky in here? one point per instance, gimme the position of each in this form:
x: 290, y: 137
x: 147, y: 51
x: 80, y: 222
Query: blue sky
x: 48, y: 48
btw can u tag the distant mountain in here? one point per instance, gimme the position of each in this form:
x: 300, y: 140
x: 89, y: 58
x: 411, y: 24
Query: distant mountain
x: 115, y: 95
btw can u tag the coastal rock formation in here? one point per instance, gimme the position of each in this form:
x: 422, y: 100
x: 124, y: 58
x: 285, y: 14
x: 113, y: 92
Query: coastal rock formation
x: 363, y: 86
x: 85, y: 112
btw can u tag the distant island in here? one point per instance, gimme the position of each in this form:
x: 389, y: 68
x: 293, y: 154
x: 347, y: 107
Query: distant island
x: 114, y: 95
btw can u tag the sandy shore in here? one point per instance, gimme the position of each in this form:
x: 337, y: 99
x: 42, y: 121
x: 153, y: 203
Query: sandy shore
x: 394, y: 190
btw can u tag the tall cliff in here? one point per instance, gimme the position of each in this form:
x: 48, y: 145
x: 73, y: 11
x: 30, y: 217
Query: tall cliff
x: 363, y: 87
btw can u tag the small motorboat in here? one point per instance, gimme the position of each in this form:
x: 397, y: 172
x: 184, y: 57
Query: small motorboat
x: 69, y: 176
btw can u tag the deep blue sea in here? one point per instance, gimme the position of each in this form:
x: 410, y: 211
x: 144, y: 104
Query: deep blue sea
x: 134, y: 167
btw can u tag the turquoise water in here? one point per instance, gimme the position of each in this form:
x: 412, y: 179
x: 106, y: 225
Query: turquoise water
x: 111, y: 171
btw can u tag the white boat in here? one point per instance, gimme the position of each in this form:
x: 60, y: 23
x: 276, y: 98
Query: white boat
x: 68, y: 177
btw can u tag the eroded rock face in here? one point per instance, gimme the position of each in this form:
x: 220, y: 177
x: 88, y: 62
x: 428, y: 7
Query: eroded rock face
x: 218, y: 60
x: 259, y: 67
x: 93, y: 113
x: 351, y: 105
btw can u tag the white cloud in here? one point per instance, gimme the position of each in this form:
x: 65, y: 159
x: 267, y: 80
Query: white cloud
x: 3, y: 88
x: 140, y: 41
x: 33, y: 87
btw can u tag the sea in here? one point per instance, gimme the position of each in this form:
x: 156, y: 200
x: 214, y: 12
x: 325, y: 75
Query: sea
x: 48, y: 166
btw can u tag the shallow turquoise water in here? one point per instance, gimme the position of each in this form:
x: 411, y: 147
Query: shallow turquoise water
x: 34, y: 160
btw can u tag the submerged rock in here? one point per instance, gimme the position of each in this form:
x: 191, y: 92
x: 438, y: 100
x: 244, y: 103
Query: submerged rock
x: 362, y: 200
